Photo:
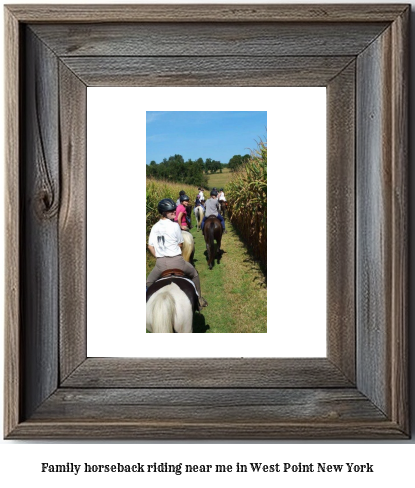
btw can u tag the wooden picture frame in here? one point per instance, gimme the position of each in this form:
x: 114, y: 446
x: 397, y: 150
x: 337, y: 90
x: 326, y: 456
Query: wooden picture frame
x: 360, y: 53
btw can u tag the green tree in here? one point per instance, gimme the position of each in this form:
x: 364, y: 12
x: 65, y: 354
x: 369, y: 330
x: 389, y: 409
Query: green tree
x: 237, y: 160
x: 176, y: 169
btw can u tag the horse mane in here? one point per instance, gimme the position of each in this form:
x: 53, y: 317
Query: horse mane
x: 163, y: 312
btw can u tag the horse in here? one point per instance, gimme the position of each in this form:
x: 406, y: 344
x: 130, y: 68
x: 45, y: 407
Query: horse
x: 212, y: 231
x: 222, y: 208
x: 188, y: 249
x: 171, y: 303
x: 169, y: 310
x: 199, y: 214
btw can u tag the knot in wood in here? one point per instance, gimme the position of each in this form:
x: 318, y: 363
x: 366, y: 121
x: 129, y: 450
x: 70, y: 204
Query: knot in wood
x: 46, y: 206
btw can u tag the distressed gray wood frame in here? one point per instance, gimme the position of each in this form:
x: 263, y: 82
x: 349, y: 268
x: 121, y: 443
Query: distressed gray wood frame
x: 359, y: 52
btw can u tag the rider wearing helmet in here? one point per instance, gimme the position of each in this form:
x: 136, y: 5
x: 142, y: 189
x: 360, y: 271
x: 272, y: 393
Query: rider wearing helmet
x: 181, y: 192
x: 165, y: 244
x: 212, y: 208
x: 181, y: 213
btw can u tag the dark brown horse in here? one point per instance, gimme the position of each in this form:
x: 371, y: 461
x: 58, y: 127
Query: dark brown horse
x: 212, y: 232
x: 222, y: 208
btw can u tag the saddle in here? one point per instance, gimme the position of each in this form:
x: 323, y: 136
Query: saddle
x: 172, y: 272
x: 175, y: 276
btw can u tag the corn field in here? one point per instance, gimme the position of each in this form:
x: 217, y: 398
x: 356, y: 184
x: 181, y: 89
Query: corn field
x: 247, y: 202
x: 156, y: 190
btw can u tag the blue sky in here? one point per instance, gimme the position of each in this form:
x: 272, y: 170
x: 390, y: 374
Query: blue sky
x: 215, y: 135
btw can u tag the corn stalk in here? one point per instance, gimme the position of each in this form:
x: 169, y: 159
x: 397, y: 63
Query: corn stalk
x: 156, y: 190
x: 247, y: 202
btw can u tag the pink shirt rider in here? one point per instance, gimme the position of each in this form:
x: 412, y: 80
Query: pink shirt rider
x: 181, y: 208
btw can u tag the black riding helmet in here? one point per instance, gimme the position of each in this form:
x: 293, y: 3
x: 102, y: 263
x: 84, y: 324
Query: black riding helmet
x: 214, y: 193
x: 184, y: 198
x: 166, y: 205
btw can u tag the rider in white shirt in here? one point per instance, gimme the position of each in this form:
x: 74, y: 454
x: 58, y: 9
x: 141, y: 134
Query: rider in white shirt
x: 201, y: 196
x: 165, y: 243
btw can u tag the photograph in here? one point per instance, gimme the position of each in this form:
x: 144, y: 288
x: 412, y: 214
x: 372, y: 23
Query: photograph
x: 206, y: 222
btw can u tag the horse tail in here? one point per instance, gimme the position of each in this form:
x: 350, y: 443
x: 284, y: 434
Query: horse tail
x: 188, y: 246
x: 201, y: 214
x: 163, y: 312
x: 211, y: 238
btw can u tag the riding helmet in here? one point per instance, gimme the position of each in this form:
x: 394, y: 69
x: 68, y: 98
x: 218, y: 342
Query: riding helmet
x: 166, y: 205
x: 214, y: 193
x: 184, y: 198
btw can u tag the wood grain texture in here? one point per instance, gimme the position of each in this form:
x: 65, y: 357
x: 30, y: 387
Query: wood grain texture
x: 206, y: 373
x: 198, y: 39
x: 188, y: 430
x: 72, y: 222
x: 206, y: 13
x: 400, y: 246
x: 341, y: 238
x: 207, y: 71
x: 382, y: 223
x: 209, y: 405
x: 373, y: 221
x: 39, y: 207
x: 13, y: 383
x: 373, y: 306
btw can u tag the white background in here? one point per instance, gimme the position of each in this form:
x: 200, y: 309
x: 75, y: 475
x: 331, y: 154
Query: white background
x: 393, y: 462
x: 296, y: 216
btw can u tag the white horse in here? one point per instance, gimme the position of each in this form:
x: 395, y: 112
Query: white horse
x: 199, y: 213
x: 188, y: 249
x: 169, y: 310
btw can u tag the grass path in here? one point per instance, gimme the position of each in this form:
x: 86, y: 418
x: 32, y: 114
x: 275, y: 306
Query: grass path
x: 235, y: 288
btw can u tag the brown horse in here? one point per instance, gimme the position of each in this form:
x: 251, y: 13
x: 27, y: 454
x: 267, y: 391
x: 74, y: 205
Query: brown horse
x: 222, y: 208
x: 212, y: 232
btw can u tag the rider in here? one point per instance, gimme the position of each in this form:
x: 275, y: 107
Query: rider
x: 165, y: 243
x: 222, y: 201
x: 181, y: 213
x: 221, y: 196
x: 201, y: 196
x: 197, y: 204
x: 212, y: 208
x: 181, y: 192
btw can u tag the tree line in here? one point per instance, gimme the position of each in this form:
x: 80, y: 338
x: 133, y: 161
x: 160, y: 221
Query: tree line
x: 190, y: 172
